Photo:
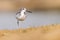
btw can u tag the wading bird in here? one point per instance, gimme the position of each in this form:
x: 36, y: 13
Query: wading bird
x: 21, y: 15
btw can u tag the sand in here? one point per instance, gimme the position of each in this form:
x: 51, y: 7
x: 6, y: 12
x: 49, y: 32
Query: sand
x: 46, y: 32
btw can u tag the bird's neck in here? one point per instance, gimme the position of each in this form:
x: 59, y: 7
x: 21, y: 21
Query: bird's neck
x: 22, y: 12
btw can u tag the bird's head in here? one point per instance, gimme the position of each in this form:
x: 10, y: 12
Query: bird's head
x: 26, y: 10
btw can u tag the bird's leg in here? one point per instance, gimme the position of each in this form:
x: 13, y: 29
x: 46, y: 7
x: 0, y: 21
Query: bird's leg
x: 18, y: 23
x: 22, y: 24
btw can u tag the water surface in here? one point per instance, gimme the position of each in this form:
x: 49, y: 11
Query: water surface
x: 8, y: 20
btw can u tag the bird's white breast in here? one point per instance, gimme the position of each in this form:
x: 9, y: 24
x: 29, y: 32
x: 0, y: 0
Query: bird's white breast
x: 22, y: 17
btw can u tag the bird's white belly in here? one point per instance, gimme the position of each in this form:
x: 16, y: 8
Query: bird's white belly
x: 21, y: 18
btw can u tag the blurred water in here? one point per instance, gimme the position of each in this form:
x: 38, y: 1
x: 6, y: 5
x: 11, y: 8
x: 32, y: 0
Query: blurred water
x: 8, y: 20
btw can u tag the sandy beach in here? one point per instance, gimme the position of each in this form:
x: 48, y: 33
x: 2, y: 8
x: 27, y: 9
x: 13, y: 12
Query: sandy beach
x: 46, y: 32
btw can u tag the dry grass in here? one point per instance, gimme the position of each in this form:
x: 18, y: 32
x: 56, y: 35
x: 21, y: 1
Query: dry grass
x: 46, y: 32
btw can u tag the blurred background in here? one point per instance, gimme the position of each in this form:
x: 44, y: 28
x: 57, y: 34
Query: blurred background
x: 30, y: 4
x: 44, y: 12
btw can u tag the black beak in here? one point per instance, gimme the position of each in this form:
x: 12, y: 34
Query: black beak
x: 29, y: 11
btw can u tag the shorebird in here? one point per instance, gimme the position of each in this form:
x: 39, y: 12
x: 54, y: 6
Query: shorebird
x: 21, y: 15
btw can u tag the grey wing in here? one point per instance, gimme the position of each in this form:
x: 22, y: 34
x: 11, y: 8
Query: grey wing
x: 19, y: 11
